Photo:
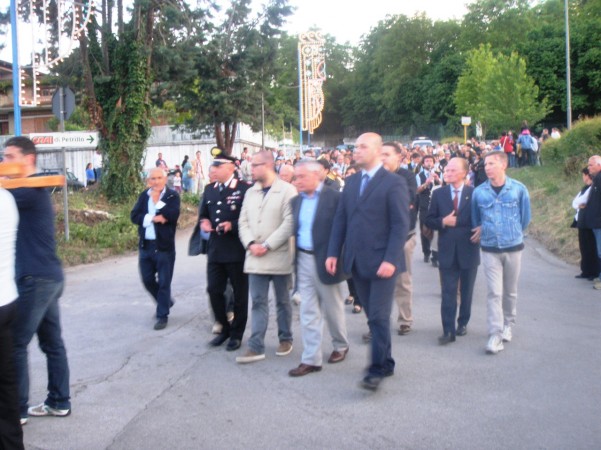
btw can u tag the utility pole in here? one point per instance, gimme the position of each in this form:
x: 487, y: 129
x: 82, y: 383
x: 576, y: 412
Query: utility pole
x: 568, y: 72
x: 16, y: 74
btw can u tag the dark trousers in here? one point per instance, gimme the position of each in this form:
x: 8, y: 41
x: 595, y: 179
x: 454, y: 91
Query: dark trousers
x: 353, y: 292
x: 452, y: 279
x: 11, y: 433
x: 156, y: 270
x: 38, y: 313
x: 218, y: 275
x: 425, y: 241
x: 376, y: 296
x: 589, y: 262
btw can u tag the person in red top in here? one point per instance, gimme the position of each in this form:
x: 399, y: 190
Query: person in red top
x: 508, y: 147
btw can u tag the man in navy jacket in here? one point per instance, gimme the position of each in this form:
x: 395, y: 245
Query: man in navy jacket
x: 371, y: 223
x: 450, y: 214
x: 156, y: 213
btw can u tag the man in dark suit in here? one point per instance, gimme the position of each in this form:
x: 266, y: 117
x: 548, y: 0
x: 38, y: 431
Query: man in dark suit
x: 426, y: 179
x: 313, y: 211
x: 156, y: 213
x: 392, y: 155
x: 219, y: 213
x: 450, y: 214
x: 371, y: 223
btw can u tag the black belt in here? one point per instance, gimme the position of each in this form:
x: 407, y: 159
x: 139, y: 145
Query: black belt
x: 149, y: 241
x: 308, y: 252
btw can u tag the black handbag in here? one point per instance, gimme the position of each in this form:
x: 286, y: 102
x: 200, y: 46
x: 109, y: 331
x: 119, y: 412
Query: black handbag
x: 197, y: 245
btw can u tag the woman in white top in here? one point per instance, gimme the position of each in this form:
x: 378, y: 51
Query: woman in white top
x: 589, y: 262
x: 11, y: 434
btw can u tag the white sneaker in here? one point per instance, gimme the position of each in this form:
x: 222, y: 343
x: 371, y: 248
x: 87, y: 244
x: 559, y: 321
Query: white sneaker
x: 506, y: 334
x: 495, y: 344
x: 296, y: 298
x: 217, y: 327
x: 250, y: 357
x: 597, y: 284
x: 44, y: 410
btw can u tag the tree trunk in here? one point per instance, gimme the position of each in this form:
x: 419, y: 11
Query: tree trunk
x: 225, y: 135
x: 120, y: 17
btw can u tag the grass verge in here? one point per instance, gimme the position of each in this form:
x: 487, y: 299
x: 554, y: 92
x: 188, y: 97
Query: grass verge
x: 551, y: 195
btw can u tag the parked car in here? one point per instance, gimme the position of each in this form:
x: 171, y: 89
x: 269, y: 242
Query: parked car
x: 422, y: 141
x: 73, y: 182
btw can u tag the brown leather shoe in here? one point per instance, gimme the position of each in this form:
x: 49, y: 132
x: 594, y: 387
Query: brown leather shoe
x: 304, y: 369
x: 337, y: 356
x: 404, y: 329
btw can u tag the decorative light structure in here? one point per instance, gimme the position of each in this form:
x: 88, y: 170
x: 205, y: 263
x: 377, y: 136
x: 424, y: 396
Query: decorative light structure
x: 72, y: 18
x: 311, y: 75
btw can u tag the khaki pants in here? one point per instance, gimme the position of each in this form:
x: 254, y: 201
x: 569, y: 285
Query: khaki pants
x: 403, y: 291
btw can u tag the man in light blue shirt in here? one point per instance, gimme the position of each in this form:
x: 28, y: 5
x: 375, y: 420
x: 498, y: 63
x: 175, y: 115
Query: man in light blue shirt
x: 313, y: 210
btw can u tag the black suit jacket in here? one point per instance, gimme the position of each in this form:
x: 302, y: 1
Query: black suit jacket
x: 322, y: 227
x: 219, y: 207
x: 412, y: 186
x: 165, y: 233
x: 453, y: 242
x: 373, y: 227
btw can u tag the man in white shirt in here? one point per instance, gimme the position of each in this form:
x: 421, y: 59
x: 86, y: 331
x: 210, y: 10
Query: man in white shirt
x: 11, y: 434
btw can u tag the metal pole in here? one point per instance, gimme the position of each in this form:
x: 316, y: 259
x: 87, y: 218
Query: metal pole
x: 568, y: 74
x: 262, y: 121
x: 66, y: 186
x: 16, y: 74
x: 300, y: 99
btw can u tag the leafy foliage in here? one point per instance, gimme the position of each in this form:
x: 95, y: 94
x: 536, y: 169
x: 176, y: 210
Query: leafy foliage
x: 497, y: 91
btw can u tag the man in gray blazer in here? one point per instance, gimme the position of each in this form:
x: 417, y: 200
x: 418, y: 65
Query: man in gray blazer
x: 313, y: 210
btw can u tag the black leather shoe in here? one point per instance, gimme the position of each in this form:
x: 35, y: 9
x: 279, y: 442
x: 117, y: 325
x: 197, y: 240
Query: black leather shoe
x: 446, y: 339
x: 371, y: 382
x: 218, y: 340
x: 461, y: 331
x: 233, y: 344
x: 161, y: 324
x: 426, y: 258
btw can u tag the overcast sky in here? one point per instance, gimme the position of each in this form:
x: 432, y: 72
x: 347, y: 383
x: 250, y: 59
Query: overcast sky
x: 348, y: 21
x: 344, y: 19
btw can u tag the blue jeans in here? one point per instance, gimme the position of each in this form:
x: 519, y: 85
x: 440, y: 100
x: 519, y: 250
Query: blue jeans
x: 38, y: 313
x: 156, y: 270
x: 259, y: 292
x: 597, y: 233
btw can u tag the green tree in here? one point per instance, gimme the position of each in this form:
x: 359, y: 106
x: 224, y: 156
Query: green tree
x: 497, y: 91
x: 233, y: 70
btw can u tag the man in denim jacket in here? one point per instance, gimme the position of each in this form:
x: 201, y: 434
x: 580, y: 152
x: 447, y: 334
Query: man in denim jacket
x: 500, y: 213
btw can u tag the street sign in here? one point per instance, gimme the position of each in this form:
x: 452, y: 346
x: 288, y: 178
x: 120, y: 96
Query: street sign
x: 68, y: 139
x: 68, y: 103
x: 466, y: 121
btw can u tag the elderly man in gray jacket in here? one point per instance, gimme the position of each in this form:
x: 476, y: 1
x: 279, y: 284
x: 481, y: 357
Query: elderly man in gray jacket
x: 265, y: 228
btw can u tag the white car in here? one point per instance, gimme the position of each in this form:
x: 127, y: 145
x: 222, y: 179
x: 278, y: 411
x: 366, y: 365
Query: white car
x: 422, y: 142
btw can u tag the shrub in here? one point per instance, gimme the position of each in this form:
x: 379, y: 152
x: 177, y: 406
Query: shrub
x: 451, y: 139
x: 575, y: 146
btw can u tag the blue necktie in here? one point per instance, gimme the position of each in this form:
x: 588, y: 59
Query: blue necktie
x: 364, y: 181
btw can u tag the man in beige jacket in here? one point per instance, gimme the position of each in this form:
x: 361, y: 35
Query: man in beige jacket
x: 265, y: 227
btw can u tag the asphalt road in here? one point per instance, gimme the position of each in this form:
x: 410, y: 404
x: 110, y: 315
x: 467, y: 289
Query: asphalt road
x: 136, y: 388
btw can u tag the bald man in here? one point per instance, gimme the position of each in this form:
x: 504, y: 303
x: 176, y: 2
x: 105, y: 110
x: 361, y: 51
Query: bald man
x: 450, y: 214
x: 286, y: 173
x: 156, y: 213
x: 369, y: 232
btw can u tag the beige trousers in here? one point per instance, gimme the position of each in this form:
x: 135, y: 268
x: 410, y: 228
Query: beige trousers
x: 403, y: 291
